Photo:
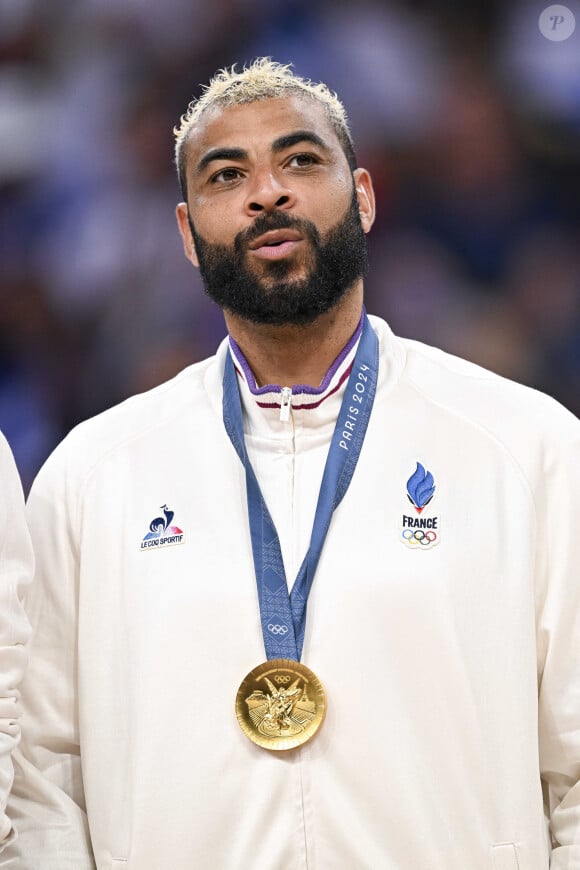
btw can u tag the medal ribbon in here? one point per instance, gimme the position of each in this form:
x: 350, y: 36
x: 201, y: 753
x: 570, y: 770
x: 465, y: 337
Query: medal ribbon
x: 283, y: 614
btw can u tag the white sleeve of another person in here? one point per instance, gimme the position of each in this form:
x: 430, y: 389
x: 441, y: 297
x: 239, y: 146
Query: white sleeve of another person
x: 16, y: 569
x: 47, y: 802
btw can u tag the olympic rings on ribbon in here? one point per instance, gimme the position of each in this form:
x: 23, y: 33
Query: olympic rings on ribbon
x: 417, y: 537
x: 278, y: 629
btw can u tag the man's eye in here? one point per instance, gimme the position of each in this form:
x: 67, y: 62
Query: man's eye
x: 225, y: 175
x: 300, y: 160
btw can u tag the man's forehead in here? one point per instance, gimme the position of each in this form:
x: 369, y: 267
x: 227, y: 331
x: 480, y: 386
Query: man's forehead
x: 267, y: 119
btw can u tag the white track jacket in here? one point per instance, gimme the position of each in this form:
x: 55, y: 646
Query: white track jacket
x: 451, y: 663
x: 16, y: 570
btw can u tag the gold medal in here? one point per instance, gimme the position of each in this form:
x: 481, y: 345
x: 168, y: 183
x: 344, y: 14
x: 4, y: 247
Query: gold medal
x: 280, y: 704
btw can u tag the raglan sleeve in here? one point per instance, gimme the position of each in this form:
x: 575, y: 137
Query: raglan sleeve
x: 47, y: 802
x: 16, y: 568
x: 558, y: 632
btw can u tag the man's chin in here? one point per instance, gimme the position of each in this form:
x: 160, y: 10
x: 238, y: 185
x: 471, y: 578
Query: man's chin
x: 289, y: 269
x: 281, y: 285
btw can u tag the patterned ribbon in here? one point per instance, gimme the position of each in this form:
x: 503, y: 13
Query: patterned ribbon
x: 283, y: 615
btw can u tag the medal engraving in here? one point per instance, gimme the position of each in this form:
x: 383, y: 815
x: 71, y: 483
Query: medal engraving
x: 280, y: 704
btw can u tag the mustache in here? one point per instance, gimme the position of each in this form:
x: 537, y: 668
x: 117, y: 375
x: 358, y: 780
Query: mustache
x: 277, y: 220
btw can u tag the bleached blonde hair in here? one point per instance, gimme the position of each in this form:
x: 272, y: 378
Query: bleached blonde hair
x: 263, y: 79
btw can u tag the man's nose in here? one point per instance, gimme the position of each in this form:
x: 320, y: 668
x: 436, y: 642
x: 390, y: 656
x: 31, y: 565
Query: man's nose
x: 268, y: 193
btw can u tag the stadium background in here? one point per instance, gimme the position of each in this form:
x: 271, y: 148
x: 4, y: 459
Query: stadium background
x: 466, y: 115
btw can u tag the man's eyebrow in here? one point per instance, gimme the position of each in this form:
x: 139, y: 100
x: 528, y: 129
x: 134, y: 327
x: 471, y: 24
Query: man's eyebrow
x: 279, y: 144
x: 291, y: 139
x: 220, y: 154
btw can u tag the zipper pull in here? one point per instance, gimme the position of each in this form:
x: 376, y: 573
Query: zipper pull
x: 285, y: 403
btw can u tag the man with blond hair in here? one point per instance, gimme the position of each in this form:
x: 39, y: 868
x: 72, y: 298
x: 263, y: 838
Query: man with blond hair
x: 313, y: 603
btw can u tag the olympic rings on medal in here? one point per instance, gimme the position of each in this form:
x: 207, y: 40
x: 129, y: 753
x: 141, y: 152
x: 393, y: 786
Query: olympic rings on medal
x: 278, y: 629
x: 417, y: 537
x: 282, y: 678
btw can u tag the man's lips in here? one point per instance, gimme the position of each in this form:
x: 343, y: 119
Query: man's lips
x: 275, y: 243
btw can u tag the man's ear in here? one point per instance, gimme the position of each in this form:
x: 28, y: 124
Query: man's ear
x: 182, y: 215
x: 365, y: 195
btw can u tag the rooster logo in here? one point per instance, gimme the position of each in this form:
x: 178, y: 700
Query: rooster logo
x: 161, y: 527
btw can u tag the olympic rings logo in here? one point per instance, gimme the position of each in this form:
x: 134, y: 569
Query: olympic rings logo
x: 279, y: 678
x: 278, y: 629
x: 417, y: 537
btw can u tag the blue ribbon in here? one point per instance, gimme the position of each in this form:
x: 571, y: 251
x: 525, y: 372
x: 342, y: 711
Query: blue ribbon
x: 283, y: 614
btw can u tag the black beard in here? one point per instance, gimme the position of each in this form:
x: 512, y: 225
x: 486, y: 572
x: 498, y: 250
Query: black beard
x: 339, y: 259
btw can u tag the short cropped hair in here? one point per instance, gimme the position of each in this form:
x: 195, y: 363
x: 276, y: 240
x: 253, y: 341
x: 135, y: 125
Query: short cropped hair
x: 263, y: 79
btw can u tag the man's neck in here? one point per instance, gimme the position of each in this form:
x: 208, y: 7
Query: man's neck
x: 288, y: 355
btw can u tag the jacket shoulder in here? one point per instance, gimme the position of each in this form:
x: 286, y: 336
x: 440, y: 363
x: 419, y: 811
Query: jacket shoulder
x: 510, y: 411
x: 139, y: 417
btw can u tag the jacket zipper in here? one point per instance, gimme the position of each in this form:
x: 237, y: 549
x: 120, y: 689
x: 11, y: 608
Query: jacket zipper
x: 285, y: 404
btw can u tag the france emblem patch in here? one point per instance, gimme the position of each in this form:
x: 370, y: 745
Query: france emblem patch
x: 420, y: 532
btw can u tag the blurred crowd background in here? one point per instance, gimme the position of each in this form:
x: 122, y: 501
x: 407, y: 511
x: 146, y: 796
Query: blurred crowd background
x: 466, y: 115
